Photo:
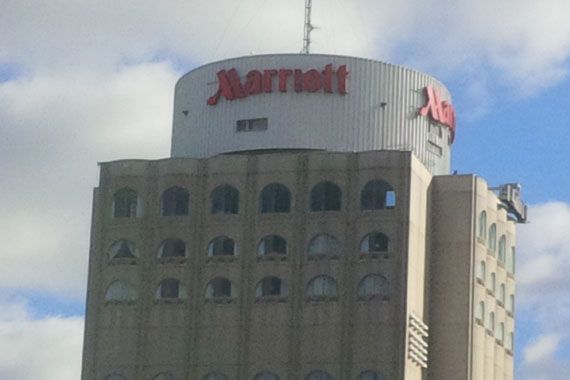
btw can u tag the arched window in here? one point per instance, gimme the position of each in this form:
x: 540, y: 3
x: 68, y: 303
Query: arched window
x: 374, y: 242
x: 272, y: 245
x: 493, y: 237
x: 164, y: 376
x: 172, y: 248
x: 326, y: 196
x: 481, y: 271
x: 125, y: 203
x: 120, y: 291
x: 275, y: 198
x: 215, y: 376
x: 222, y: 246
x: 322, y: 287
x: 493, y: 284
x: 266, y: 375
x: 483, y: 225
x: 373, y: 285
x: 324, y: 245
x: 122, y: 249
x: 225, y: 200
x: 115, y: 376
x: 174, y: 202
x: 170, y: 288
x: 502, y: 293
x: 511, y: 261
x: 502, y: 249
x: 377, y: 195
x: 491, y: 322
x: 219, y: 288
x: 500, y: 334
x: 370, y: 375
x: 270, y: 286
x: 480, y: 312
x: 319, y: 375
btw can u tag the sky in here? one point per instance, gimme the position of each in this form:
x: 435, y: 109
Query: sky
x: 88, y: 81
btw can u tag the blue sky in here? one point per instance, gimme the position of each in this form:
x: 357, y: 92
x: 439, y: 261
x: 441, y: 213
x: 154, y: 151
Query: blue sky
x: 91, y: 81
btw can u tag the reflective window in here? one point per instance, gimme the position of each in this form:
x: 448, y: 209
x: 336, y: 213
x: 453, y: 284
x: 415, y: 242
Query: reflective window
x: 120, y: 291
x: 511, y: 261
x: 483, y: 225
x: 377, y: 195
x: 222, y: 246
x: 225, y: 200
x: 491, y: 322
x: 172, y: 248
x: 510, y: 341
x: 275, y: 198
x: 122, y: 249
x: 500, y: 334
x: 511, y: 303
x: 215, y: 376
x: 219, y: 288
x: 480, y: 312
x: 373, y: 285
x: 319, y: 375
x: 272, y: 245
x: 370, y: 375
x: 326, y: 196
x: 481, y: 271
x: 266, y: 375
x: 125, y: 204
x: 493, y: 284
x: 270, y: 286
x: 374, y: 242
x: 322, y: 286
x: 493, y: 237
x: 502, y: 249
x: 502, y: 294
x: 325, y: 245
x: 170, y: 288
x: 174, y: 202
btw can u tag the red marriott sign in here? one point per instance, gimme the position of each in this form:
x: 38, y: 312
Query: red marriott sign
x: 231, y: 87
x: 439, y: 111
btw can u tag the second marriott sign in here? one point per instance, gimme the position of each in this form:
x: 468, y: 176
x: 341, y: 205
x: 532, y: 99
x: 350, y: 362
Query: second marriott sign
x: 230, y: 85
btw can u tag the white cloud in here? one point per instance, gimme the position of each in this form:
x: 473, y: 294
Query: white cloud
x: 543, y: 348
x: 59, y: 128
x: 41, y: 349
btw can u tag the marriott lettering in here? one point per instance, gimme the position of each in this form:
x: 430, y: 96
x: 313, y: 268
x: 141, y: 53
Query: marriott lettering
x: 231, y: 86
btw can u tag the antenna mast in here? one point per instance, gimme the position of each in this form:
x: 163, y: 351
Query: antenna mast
x: 308, y: 27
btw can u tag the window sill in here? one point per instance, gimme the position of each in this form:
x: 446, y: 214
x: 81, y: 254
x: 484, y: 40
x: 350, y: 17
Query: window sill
x: 510, y: 275
x: 500, y: 264
x: 317, y: 299
x: 481, y: 240
x: 499, y: 342
x: 271, y: 299
x: 168, y: 301
x: 221, y: 259
x: 510, y: 313
x: 373, y: 255
x: 509, y: 351
x: 317, y: 257
x: 480, y: 281
x: 171, y: 260
x: 374, y: 297
x: 479, y: 321
x: 500, y: 303
x: 219, y: 300
x: 272, y: 257
x: 491, y: 292
x: 123, y: 261
x: 490, y: 252
x: 490, y: 333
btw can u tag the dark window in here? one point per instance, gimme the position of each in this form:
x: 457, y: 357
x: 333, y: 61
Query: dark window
x: 373, y: 285
x: 175, y: 202
x: 324, y: 245
x: 173, y: 248
x: 374, y: 242
x: 275, y: 198
x: 269, y: 286
x: 225, y: 200
x: 219, y: 287
x: 125, y: 203
x: 221, y: 246
x: 377, y: 195
x: 326, y: 196
x: 251, y: 125
x: 169, y: 288
x: 271, y: 245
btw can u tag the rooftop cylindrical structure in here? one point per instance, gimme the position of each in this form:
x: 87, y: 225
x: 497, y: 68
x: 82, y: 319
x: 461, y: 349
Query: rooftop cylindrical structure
x: 301, y: 101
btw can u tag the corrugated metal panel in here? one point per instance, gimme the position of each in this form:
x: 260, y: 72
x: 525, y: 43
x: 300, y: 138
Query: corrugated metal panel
x: 354, y: 122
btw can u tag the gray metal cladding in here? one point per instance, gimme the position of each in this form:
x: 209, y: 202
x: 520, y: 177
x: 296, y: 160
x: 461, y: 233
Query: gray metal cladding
x: 379, y: 111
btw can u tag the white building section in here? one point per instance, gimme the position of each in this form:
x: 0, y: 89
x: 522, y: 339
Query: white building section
x: 320, y: 102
